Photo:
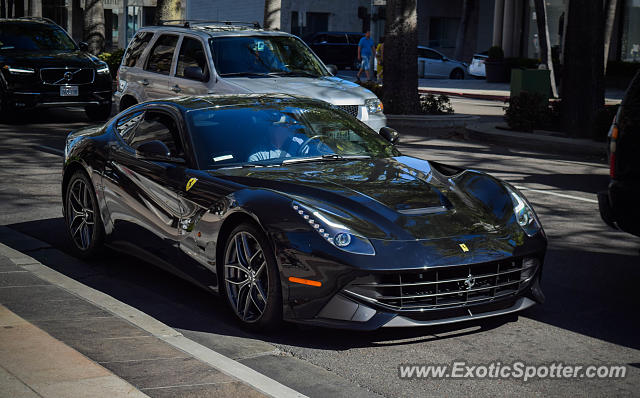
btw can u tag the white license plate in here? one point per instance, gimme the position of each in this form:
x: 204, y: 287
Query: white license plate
x: 68, y: 91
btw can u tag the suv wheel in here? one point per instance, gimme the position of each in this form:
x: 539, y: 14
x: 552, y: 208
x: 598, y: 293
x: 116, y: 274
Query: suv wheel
x: 98, y: 113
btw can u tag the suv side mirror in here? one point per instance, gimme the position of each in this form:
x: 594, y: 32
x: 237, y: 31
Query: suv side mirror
x: 390, y: 135
x: 83, y: 46
x: 194, y: 73
x: 332, y: 69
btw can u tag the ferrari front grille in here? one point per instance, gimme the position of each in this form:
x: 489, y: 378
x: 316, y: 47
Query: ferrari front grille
x: 64, y: 76
x: 445, y: 287
x: 350, y: 109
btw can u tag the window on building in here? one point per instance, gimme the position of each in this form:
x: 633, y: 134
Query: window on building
x: 631, y: 32
x: 317, y: 22
x: 295, y: 23
x: 443, y: 32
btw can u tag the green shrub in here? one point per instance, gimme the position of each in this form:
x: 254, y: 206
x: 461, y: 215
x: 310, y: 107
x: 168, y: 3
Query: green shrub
x: 528, y: 111
x: 495, y: 52
x: 113, y: 59
x: 435, y: 105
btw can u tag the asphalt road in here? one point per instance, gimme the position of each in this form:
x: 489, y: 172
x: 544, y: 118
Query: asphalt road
x: 590, y: 279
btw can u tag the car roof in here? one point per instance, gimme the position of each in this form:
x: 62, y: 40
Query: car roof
x: 31, y: 20
x: 188, y: 103
x: 214, y: 30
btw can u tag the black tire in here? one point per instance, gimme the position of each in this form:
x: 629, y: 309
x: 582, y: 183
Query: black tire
x: 98, y: 113
x: 82, y: 216
x: 457, y: 74
x: 254, y: 269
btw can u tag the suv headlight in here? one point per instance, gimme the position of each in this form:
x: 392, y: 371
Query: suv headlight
x: 525, y: 215
x: 334, y: 232
x: 102, y: 68
x: 19, y: 70
x: 373, y: 105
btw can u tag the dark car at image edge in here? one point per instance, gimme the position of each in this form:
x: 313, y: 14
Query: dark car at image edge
x: 343, y: 231
x: 42, y: 67
x: 620, y: 203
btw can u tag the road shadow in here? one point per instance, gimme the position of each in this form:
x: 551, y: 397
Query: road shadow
x: 596, y: 296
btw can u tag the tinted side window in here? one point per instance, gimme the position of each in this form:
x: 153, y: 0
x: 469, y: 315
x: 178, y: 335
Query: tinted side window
x: 192, y: 58
x: 135, y: 49
x: 355, y: 39
x: 337, y: 39
x: 162, y: 54
x: 126, y: 124
x: 319, y: 39
x: 432, y: 54
x: 157, y: 126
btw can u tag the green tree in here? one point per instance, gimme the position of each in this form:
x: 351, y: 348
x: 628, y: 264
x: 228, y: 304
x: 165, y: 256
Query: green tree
x: 167, y: 10
x: 400, y: 89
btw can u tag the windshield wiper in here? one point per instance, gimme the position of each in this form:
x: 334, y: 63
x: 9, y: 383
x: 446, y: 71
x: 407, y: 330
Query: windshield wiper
x: 295, y: 73
x: 333, y: 156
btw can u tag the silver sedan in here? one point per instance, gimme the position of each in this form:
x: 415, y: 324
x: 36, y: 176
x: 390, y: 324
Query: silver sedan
x: 432, y: 64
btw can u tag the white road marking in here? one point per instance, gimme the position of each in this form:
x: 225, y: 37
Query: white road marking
x: 151, y: 325
x: 562, y: 195
x: 52, y: 150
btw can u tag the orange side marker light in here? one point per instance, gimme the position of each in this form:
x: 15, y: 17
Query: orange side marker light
x: 305, y: 281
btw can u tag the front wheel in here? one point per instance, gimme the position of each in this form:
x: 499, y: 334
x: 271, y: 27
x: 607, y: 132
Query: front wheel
x: 98, y: 113
x: 82, y: 216
x: 457, y: 74
x: 251, y: 278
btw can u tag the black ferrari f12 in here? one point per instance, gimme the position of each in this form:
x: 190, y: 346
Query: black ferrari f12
x: 293, y: 210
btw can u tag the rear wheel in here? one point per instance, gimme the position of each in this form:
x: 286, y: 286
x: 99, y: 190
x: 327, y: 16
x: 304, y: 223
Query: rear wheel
x: 98, y: 113
x: 251, y: 278
x: 82, y: 216
x: 457, y: 74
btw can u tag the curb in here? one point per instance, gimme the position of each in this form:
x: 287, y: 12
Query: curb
x: 224, y: 364
x: 488, y: 133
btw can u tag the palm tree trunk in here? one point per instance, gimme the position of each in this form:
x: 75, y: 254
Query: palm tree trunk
x: 94, y: 26
x: 167, y: 10
x: 545, y: 42
x: 612, y: 9
x: 467, y: 7
x: 272, y: 14
x: 400, y: 90
x: 583, y: 70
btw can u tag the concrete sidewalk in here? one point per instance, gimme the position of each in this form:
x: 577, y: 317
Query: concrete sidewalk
x: 56, y: 341
x: 34, y: 364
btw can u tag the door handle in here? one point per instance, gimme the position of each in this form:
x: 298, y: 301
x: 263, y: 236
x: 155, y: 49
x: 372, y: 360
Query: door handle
x: 144, y: 82
x: 176, y: 89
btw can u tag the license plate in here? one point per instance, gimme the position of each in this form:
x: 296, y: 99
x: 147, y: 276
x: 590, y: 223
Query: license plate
x: 68, y: 91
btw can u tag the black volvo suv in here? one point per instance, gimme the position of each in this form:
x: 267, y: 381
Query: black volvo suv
x: 41, y: 66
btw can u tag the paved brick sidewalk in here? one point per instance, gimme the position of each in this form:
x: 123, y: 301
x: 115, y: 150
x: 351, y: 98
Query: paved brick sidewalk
x: 56, y: 344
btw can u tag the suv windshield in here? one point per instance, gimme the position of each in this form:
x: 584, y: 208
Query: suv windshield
x: 262, y: 55
x: 280, y: 133
x: 33, y: 36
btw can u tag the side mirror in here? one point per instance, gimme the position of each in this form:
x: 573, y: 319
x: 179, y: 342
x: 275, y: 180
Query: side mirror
x: 83, y: 46
x: 332, y: 69
x: 156, y: 150
x: 194, y: 73
x: 445, y: 59
x: 390, y: 135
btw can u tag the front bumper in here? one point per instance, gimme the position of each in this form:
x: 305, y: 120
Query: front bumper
x: 51, y: 99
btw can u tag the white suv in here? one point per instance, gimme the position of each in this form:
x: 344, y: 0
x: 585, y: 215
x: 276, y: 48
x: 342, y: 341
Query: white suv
x: 225, y: 58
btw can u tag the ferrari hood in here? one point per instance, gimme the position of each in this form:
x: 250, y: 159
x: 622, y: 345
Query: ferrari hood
x: 396, y: 198
x: 330, y: 89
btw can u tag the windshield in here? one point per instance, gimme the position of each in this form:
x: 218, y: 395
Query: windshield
x: 32, y: 36
x: 278, y: 133
x: 264, y: 55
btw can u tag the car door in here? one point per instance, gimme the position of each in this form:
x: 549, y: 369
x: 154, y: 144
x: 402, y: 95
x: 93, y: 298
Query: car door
x: 158, y: 66
x: 436, y: 64
x: 150, y: 215
x: 192, y: 74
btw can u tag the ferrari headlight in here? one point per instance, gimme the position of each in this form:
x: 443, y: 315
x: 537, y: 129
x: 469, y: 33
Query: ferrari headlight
x: 524, y: 213
x: 19, y: 70
x: 334, y: 232
x: 373, y: 105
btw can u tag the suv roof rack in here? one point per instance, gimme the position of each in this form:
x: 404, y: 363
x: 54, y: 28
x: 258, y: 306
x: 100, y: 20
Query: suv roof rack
x: 210, y: 24
x: 38, y: 19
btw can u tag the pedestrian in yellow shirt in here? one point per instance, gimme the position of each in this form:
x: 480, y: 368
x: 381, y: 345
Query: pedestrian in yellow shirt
x: 379, y: 59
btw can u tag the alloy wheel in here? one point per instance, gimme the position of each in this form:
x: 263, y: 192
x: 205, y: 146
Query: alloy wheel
x: 80, y: 214
x: 246, y: 277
